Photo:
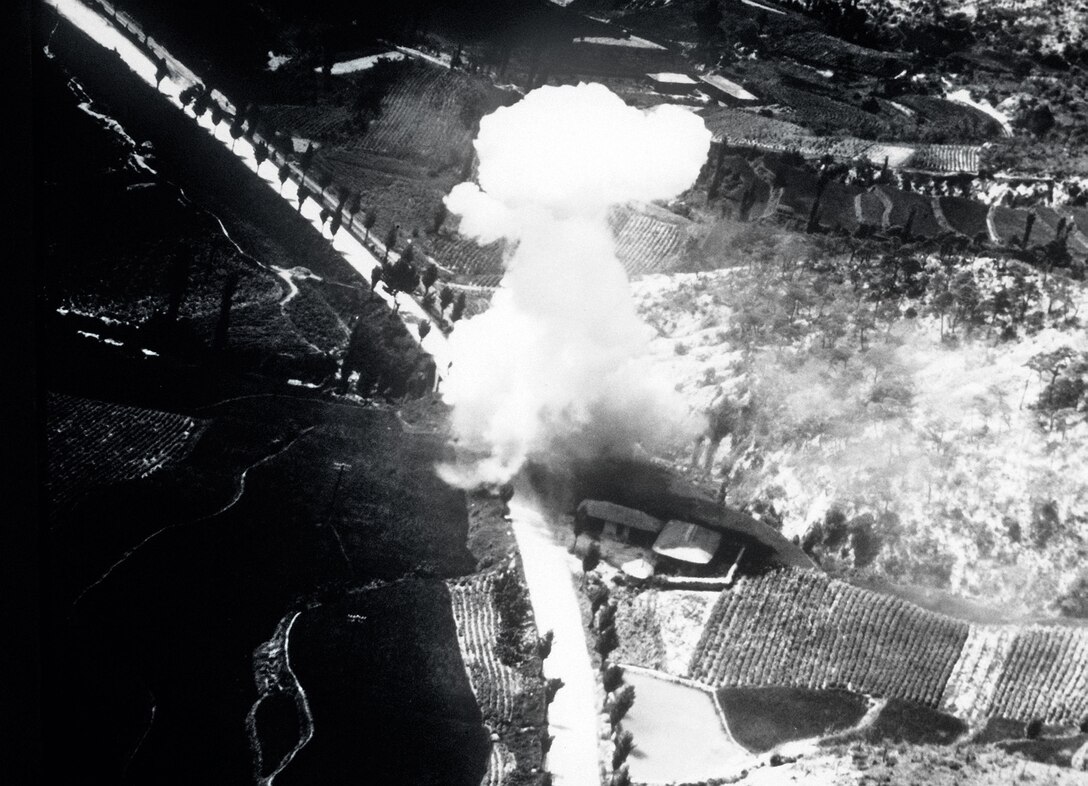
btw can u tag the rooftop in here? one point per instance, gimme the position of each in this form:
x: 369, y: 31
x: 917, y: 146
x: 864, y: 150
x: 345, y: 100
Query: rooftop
x: 728, y: 86
x: 672, y: 79
x: 687, y: 542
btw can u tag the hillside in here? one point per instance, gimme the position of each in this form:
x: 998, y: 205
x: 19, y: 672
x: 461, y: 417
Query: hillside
x: 922, y: 411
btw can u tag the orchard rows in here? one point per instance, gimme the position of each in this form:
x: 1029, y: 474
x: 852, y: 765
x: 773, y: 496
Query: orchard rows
x: 495, y: 684
x: 803, y: 629
x: 96, y: 444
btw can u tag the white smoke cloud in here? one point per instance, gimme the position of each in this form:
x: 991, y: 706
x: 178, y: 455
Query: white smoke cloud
x: 557, y: 361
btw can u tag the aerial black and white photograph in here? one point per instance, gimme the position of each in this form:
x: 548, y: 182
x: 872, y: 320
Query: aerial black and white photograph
x: 557, y: 392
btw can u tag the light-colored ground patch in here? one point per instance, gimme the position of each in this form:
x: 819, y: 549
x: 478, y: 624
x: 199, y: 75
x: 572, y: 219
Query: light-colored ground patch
x: 682, y: 616
x: 678, y: 735
x: 971, y: 687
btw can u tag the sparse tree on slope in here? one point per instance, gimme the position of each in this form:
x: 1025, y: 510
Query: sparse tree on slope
x: 236, y: 130
x: 303, y: 195
x: 260, y: 154
x: 390, y: 241
x: 445, y: 298
x: 354, y: 205
x: 225, y: 302
x: 430, y: 276
x: 368, y: 223
x: 324, y: 179
x: 306, y: 158
x: 458, y: 307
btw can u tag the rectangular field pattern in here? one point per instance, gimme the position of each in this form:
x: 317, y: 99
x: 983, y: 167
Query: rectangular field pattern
x: 94, y: 443
x: 496, y: 685
x: 803, y: 629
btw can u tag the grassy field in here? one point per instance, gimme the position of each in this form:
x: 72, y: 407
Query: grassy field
x: 763, y: 718
x: 378, y: 689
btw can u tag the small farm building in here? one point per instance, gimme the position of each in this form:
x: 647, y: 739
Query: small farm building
x: 672, y: 83
x: 687, y: 542
x: 725, y: 90
x: 617, y: 522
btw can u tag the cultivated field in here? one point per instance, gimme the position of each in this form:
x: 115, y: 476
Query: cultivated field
x: 94, y: 444
x: 495, y: 684
x: 804, y: 629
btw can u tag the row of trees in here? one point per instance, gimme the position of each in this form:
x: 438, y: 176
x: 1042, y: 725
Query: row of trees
x: 619, y: 697
x: 367, y: 347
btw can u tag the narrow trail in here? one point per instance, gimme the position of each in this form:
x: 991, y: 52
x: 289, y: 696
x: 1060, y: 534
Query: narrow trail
x: 230, y: 504
x: 140, y: 742
x: 573, y: 715
x: 301, y: 702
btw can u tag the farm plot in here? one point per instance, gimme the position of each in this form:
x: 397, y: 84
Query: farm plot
x: 1007, y: 223
x: 381, y: 671
x: 945, y: 158
x: 659, y: 629
x: 495, y: 684
x: 903, y: 721
x: 1045, y: 675
x: 837, y: 207
x: 648, y: 239
x: 796, y: 628
x: 828, y: 116
x: 762, y: 718
x: 965, y: 215
x: 952, y: 121
x: 970, y: 690
x: 834, y: 53
x: 923, y: 224
x: 869, y: 209
x: 93, y: 443
x: 402, y: 197
x: 1079, y: 216
x: 738, y: 127
x: 307, y: 121
x: 429, y: 113
x: 1047, y: 221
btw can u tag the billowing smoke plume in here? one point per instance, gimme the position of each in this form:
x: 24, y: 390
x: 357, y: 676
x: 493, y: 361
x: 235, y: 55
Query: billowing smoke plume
x: 556, y: 362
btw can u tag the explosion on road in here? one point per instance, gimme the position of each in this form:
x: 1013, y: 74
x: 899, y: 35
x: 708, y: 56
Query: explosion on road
x: 556, y: 363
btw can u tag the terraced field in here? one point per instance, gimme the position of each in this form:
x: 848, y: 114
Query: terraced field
x: 648, y: 239
x: 1045, y: 675
x: 826, y: 115
x: 958, y: 122
x: 945, y: 158
x: 449, y: 102
x: 924, y: 223
x: 837, y: 207
x: 94, y: 444
x: 869, y: 209
x: 965, y: 215
x: 1007, y: 224
x: 803, y: 629
x: 737, y: 127
x: 496, y: 685
x: 834, y: 53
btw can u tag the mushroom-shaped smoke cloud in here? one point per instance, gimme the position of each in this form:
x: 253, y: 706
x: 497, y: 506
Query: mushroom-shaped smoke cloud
x: 557, y: 361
